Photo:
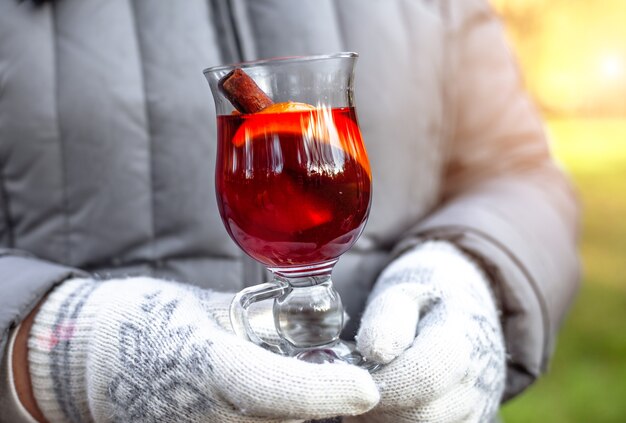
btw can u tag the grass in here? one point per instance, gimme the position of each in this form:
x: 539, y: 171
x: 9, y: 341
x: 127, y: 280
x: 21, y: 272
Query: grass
x: 587, y: 379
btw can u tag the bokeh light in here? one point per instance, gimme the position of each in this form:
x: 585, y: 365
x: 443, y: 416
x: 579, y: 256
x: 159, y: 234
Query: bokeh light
x: 612, y: 66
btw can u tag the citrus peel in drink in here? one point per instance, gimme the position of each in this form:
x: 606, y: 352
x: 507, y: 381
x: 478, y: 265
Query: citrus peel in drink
x: 307, y: 121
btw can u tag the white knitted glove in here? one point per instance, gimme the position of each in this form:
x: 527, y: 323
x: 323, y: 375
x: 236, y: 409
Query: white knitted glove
x: 454, y: 369
x: 145, y: 350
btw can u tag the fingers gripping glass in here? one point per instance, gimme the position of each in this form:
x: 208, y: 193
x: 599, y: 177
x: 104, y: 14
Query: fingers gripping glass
x: 293, y: 187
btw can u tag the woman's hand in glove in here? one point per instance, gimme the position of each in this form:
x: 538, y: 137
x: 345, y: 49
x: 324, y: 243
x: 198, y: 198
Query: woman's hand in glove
x: 145, y: 350
x: 433, y: 319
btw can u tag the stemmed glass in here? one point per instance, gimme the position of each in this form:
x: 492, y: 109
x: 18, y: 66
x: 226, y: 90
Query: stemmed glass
x: 293, y: 186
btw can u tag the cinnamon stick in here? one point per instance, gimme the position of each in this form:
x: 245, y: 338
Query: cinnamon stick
x: 243, y: 92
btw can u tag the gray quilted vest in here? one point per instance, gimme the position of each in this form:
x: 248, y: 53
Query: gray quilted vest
x: 107, y: 130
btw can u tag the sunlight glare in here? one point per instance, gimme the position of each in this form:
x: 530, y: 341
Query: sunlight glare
x: 612, y: 66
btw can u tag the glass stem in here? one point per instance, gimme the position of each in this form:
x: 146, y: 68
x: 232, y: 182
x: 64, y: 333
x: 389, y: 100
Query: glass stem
x: 310, y: 314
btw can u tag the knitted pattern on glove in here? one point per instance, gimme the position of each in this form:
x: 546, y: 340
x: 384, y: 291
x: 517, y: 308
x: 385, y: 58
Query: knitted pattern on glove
x: 432, y: 318
x: 145, y: 350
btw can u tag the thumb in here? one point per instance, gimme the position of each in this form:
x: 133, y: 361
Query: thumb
x: 262, y: 383
x: 389, y: 324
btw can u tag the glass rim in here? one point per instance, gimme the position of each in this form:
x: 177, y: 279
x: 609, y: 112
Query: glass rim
x: 286, y: 59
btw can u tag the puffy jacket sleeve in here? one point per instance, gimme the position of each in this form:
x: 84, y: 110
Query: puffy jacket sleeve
x: 506, y: 202
x: 24, y: 280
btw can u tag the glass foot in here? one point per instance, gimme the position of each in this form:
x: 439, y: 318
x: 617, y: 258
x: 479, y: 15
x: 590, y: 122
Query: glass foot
x: 342, y: 351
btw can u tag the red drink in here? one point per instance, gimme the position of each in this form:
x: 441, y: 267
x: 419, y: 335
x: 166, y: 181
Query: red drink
x: 293, y: 188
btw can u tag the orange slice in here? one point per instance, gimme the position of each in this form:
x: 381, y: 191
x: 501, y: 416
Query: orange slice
x: 319, y: 124
x: 288, y: 106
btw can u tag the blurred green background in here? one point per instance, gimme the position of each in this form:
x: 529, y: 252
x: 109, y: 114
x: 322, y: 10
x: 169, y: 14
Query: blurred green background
x: 573, y: 57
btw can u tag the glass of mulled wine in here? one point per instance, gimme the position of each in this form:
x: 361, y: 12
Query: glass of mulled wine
x: 293, y: 186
